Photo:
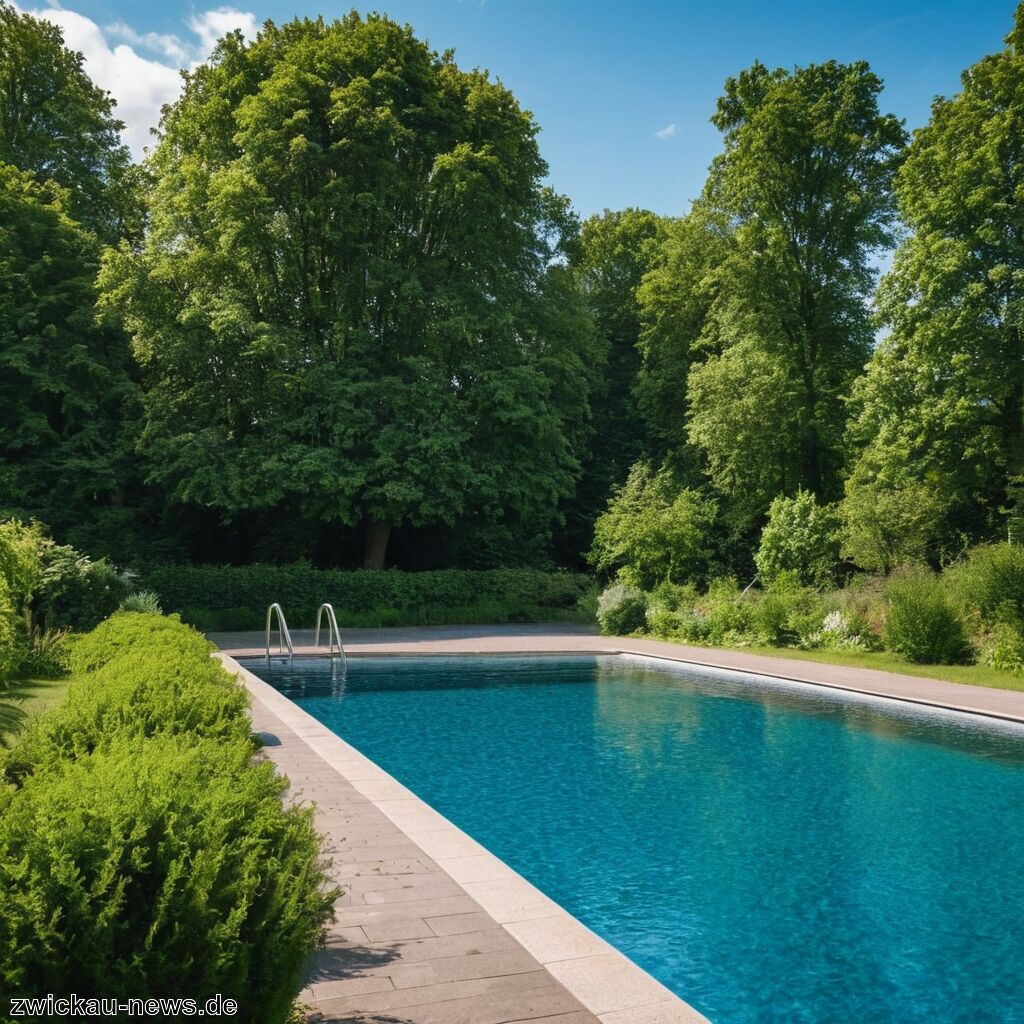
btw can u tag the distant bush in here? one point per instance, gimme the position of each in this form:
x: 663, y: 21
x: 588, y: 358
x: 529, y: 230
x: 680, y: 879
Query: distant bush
x: 1005, y: 649
x: 141, y: 601
x: 922, y: 623
x: 237, y: 597
x: 991, y: 582
x: 621, y: 609
x: 885, y: 527
x: 801, y: 537
x: 143, y: 852
x: 654, y: 529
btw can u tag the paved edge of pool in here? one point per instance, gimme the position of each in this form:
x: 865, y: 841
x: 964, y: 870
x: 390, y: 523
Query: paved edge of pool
x: 609, y: 987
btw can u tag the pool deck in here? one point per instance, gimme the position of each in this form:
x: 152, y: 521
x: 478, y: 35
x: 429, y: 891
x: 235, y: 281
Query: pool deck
x: 434, y: 929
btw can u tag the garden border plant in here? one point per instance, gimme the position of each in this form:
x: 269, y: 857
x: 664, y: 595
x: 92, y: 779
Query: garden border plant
x: 144, y: 850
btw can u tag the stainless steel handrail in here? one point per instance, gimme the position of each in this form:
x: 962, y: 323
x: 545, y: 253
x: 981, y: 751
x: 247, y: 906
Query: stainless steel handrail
x: 333, y: 633
x: 284, y: 638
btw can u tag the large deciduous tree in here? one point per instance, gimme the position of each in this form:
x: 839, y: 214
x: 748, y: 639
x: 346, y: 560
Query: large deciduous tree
x: 804, y: 184
x: 942, y: 404
x: 350, y: 303
x: 68, y: 406
x: 57, y: 124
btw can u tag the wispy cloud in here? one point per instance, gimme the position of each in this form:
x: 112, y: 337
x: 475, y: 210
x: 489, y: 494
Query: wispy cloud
x: 116, y: 60
x: 667, y: 132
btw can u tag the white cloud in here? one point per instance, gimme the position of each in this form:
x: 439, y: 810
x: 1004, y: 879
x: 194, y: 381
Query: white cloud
x: 667, y: 132
x: 140, y: 84
x: 209, y: 26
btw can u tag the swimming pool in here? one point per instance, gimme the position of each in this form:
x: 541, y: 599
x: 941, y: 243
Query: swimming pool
x: 769, y: 851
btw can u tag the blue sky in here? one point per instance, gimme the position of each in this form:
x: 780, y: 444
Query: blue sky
x: 622, y: 91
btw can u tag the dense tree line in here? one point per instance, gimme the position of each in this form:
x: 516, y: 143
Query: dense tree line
x: 338, y: 315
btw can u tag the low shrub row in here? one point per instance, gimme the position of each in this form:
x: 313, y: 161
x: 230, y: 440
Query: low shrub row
x: 237, y: 597
x: 973, y: 611
x: 144, y: 851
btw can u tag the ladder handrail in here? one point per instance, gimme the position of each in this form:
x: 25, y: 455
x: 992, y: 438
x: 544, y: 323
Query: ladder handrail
x: 333, y: 633
x: 284, y: 638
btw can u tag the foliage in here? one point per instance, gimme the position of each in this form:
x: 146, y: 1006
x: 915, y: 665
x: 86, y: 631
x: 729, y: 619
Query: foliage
x: 74, y: 590
x: 990, y: 582
x: 805, y: 178
x: 884, y: 527
x: 352, y: 304
x: 11, y: 650
x: 122, y: 633
x: 66, y: 396
x: 922, y: 622
x: 157, y: 867
x: 800, y: 536
x: 142, y: 852
x: 654, y: 530
x: 237, y: 597
x: 1005, y: 649
x: 942, y: 401
x: 615, y: 251
x: 58, y: 125
x: 141, y: 601
x: 621, y: 609
x: 48, y: 655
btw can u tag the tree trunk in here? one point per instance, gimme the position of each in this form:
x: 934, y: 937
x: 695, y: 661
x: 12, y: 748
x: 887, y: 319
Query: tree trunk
x: 377, y: 534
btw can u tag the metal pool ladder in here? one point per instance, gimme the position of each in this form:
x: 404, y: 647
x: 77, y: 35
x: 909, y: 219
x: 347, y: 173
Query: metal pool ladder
x: 284, y: 638
x: 333, y: 634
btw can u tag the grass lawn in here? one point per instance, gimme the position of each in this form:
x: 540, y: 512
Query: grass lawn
x: 884, y: 661
x: 27, y: 697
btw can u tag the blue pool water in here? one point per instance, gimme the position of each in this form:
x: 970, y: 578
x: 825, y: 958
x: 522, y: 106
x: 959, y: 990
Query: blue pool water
x: 770, y: 852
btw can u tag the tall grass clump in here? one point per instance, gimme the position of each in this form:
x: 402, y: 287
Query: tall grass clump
x: 922, y: 623
x: 144, y: 851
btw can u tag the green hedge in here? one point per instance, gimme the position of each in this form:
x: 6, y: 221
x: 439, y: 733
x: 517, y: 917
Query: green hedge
x: 143, y: 851
x: 237, y: 597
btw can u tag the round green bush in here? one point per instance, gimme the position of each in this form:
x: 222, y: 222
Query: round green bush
x: 621, y: 609
x: 922, y: 623
x: 159, y: 867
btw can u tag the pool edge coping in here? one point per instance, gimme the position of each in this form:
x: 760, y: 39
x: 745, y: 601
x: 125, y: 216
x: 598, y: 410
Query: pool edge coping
x: 502, y: 894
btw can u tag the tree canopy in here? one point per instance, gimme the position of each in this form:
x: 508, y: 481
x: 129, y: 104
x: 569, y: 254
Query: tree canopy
x: 351, y: 302
x: 942, y: 402
x: 57, y: 124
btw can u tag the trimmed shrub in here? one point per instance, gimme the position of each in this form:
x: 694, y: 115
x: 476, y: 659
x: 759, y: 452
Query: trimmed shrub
x: 157, y: 635
x: 157, y: 868
x: 236, y: 597
x: 143, y: 852
x: 156, y: 687
x: 621, y: 609
x: 922, y: 623
x: 141, y: 601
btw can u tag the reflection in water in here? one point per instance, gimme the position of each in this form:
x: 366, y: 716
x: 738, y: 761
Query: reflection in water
x: 771, y: 851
